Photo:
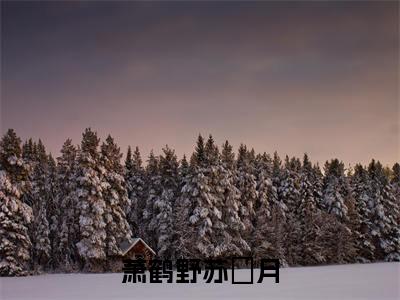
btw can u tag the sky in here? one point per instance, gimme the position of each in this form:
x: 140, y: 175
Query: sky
x: 315, y: 77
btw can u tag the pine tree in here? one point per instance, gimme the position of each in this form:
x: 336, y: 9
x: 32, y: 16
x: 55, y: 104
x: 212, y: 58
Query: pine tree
x: 53, y: 212
x: 277, y: 173
x: 41, y: 195
x: 228, y: 239
x: 153, y: 193
x: 66, y: 251
x: 247, y: 185
x: 384, y: 211
x: 15, y: 215
x: 395, y: 182
x: 335, y: 189
x: 184, y: 169
x: 289, y: 189
x: 308, y: 212
x: 135, y: 180
x: 361, y: 217
x: 263, y: 205
x: 163, y: 206
x: 10, y: 158
x: 90, y: 186
x: 195, y: 207
x: 115, y: 197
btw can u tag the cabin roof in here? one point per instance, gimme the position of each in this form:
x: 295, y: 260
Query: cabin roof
x: 127, y: 245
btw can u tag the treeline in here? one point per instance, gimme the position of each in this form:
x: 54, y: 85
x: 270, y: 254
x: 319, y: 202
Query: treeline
x: 71, y: 213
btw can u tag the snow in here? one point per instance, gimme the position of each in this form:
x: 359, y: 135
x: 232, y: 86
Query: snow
x: 368, y: 281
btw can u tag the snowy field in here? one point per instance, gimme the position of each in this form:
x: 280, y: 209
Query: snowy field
x: 371, y: 281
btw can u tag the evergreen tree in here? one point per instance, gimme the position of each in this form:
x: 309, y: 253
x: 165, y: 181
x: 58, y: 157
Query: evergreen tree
x: 384, y: 212
x: 41, y: 194
x: 153, y: 193
x: 66, y: 251
x: 289, y: 189
x: 395, y: 182
x: 115, y: 197
x: 335, y: 189
x: 15, y: 215
x: 195, y: 207
x: 184, y: 169
x: 90, y: 186
x: 308, y: 214
x: 135, y: 181
x: 228, y: 239
x: 163, y: 207
x: 361, y: 220
x: 12, y: 163
x: 247, y: 185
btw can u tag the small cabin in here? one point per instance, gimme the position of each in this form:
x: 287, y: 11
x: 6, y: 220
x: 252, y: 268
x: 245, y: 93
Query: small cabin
x: 132, y: 249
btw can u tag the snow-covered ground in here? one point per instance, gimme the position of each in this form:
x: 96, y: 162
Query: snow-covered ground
x: 370, y: 281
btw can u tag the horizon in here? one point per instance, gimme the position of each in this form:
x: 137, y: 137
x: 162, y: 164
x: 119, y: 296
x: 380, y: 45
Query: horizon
x: 157, y: 152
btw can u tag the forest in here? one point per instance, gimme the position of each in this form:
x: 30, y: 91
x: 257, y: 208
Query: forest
x: 70, y: 213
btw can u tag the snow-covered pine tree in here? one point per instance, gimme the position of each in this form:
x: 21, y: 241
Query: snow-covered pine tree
x: 66, y: 251
x: 163, y: 220
x: 11, y: 160
x: 53, y: 211
x: 228, y: 239
x: 269, y: 231
x: 41, y: 195
x: 309, y: 230
x: 336, y: 189
x: 289, y: 189
x: 263, y: 173
x: 263, y: 205
x: 362, y: 222
x: 317, y: 181
x: 153, y: 193
x: 277, y: 173
x: 289, y: 194
x: 395, y: 182
x: 183, y: 170
x: 15, y: 215
x: 90, y: 186
x: 384, y: 212
x: 195, y: 208
x: 247, y: 185
x: 28, y: 151
x: 115, y: 197
x: 135, y: 180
